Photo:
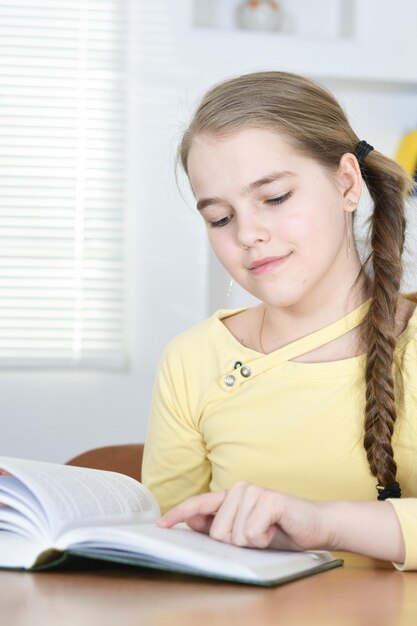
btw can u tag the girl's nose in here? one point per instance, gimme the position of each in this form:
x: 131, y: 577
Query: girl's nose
x: 251, y: 232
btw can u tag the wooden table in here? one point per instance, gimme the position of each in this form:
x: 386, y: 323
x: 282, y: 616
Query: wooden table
x: 363, y: 592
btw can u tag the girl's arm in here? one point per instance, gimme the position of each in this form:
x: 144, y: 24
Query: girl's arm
x: 248, y: 515
x: 175, y: 464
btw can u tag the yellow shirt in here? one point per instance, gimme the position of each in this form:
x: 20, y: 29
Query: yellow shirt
x: 222, y: 413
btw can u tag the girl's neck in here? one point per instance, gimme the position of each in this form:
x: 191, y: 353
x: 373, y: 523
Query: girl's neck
x: 279, y: 326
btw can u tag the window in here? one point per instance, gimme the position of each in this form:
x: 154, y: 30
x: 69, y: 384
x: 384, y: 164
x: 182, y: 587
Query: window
x: 62, y: 169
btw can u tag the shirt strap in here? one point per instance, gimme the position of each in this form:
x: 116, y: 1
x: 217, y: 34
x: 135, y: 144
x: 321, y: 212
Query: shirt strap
x: 231, y: 379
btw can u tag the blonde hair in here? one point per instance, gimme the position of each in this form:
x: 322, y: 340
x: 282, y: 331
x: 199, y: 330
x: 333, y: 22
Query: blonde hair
x: 312, y: 119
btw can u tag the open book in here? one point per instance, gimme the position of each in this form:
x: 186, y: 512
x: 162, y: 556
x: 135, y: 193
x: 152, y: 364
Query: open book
x: 50, y: 514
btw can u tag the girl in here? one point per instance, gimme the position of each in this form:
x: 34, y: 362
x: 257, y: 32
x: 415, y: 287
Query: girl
x: 285, y: 411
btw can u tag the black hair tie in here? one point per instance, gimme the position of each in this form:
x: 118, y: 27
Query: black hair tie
x: 362, y: 150
x: 393, y: 490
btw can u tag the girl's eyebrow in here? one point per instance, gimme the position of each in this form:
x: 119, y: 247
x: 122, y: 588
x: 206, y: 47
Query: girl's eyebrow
x: 201, y: 204
x: 269, y: 178
x: 265, y: 180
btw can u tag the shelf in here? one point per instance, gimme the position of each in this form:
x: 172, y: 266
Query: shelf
x: 349, y: 49
x: 300, y: 18
x: 242, y: 51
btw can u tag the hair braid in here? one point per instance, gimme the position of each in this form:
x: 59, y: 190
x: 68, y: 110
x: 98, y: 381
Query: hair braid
x: 386, y: 183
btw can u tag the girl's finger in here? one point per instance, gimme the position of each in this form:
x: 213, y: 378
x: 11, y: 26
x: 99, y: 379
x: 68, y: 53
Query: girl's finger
x: 262, y: 523
x: 222, y: 526
x: 201, y: 523
x: 247, y: 503
x: 205, y: 504
x: 229, y: 523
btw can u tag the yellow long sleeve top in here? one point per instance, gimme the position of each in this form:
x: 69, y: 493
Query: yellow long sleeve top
x: 222, y: 413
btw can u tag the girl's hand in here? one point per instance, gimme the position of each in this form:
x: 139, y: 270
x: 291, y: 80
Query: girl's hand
x: 248, y: 515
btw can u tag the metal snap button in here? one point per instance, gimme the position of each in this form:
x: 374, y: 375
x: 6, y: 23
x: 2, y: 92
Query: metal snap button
x: 237, y: 364
x: 245, y: 371
x: 229, y: 380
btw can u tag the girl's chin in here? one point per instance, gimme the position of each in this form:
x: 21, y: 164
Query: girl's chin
x: 280, y: 299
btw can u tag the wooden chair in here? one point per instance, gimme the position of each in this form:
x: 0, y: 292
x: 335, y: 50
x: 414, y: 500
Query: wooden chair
x: 125, y: 459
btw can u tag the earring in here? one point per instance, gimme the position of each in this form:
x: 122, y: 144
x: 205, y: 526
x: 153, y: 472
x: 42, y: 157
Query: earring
x: 348, y: 235
x: 230, y: 288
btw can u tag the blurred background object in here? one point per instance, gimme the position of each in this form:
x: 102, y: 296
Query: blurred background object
x: 264, y: 15
x: 407, y: 154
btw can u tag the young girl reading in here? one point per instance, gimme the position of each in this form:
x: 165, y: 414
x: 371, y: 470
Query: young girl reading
x: 293, y: 423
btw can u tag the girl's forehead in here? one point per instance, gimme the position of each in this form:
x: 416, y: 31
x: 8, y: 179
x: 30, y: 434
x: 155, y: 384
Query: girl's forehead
x: 247, y: 149
x: 250, y: 153
x: 246, y: 135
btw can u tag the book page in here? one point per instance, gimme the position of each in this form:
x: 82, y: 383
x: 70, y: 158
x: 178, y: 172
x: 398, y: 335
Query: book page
x: 75, y: 496
x: 17, y: 551
x: 23, y: 510
x: 194, y: 551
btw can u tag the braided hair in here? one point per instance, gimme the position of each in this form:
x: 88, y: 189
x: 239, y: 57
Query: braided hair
x: 387, y: 234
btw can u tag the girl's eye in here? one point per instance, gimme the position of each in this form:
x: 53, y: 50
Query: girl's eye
x: 220, y: 223
x: 280, y: 199
x: 225, y: 220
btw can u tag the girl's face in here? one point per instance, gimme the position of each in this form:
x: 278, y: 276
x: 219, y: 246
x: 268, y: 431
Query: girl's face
x: 275, y: 219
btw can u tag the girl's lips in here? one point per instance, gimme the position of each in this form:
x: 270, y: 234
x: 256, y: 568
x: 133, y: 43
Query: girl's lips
x: 267, y: 264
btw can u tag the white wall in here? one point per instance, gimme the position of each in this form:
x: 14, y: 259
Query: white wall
x: 173, y: 282
x: 53, y: 415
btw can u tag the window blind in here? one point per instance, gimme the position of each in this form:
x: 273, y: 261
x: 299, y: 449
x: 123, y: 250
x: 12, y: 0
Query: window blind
x: 62, y: 164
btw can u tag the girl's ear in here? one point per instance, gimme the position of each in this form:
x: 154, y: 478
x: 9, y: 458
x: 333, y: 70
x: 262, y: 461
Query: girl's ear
x: 350, y: 181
